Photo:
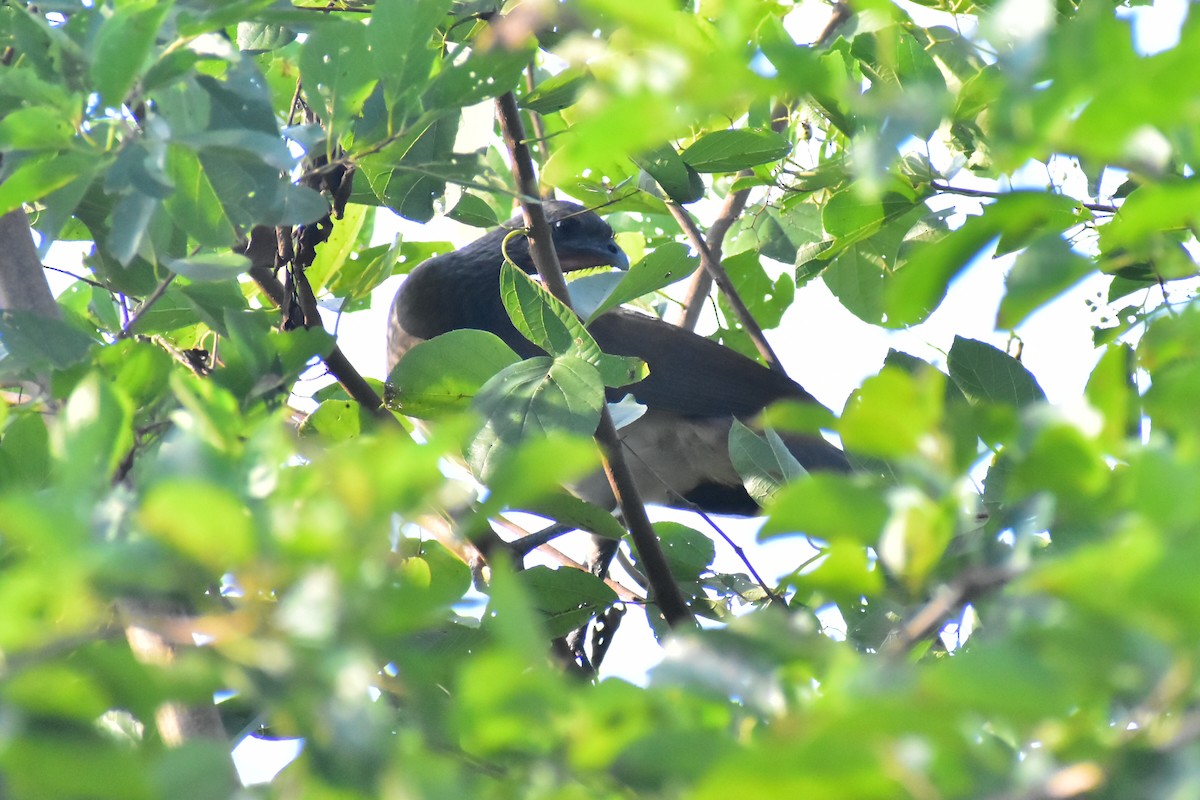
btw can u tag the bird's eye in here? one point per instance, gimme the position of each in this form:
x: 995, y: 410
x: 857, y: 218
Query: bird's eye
x: 566, y: 226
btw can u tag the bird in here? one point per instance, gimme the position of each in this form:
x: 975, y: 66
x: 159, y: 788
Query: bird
x: 678, y: 448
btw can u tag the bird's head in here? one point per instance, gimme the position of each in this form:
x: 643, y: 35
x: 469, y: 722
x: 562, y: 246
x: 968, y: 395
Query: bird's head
x: 581, y: 238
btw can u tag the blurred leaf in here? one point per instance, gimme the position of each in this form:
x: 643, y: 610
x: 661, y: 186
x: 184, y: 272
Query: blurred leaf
x: 122, y: 46
x: 93, y: 432
x: 679, y: 180
x: 34, y: 178
x: 335, y: 420
x: 31, y: 340
x: 827, y: 506
x: 566, y: 597
x: 919, y: 286
x: 210, y: 266
x: 202, y: 521
x: 894, y: 414
x: 1044, y: 270
x: 556, y: 92
x: 35, y: 128
x: 915, y: 537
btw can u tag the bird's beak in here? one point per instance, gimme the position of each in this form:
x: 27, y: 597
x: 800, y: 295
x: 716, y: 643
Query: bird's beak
x: 607, y: 254
x: 619, y: 259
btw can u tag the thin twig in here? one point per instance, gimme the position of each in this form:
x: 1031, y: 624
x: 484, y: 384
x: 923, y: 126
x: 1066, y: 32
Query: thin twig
x: 339, y: 366
x: 665, y: 590
x: 948, y: 598
x: 693, y: 303
x: 80, y: 278
x: 147, y: 304
x: 1099, y: 208
x: 731, y: 209
x: 686, y: 503
x: 713, y: 267
x: 624, y: 593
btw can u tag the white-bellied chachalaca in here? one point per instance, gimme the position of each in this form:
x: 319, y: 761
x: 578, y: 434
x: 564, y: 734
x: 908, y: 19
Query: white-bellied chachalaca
x: 678, y: 450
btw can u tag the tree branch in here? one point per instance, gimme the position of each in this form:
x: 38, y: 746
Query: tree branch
x: 930, y: 617
x: 146, y: 305
x: 1099, y: 208
x: 665, y: 591
x: 261, y: 251
x: 701, y: 284
x: 731, y: 209
x: 711, y: 264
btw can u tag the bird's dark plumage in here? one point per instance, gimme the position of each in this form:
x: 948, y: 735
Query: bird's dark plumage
x: 694, y: 390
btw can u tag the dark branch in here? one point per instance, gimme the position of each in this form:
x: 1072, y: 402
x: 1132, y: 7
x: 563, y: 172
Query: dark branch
x: 541, y: 246
x: 711, y: 264
x: 1099, y: 208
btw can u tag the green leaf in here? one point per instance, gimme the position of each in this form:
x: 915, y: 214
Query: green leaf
x: 348, y: 237
x: 334, y: 420
x: 520, y: 477
x: 567, y: 509
x: 532, y: 398
x: 1111, y: 391
x: 987, y: 374
x: 408, y: 175
x: 194, y: 205
x: 336, y: 65
x: 667, y: 264
x: 122, y: 46
x: 24, y: 452
x: 210, y: 266
x: 472, y: 210
x: 916, y: 536
x: 566, y: 597
x: 731, y: 150
x: 689, y: 552
x: 35, y: 128
x: 131, y: 219
x: 400, y: 37
x: 263, y: 37
x: 446, y: 373
x: 34, y: 178
x: 556, y: 92
x: 32, y: 341
x: 679, y: 180
x: 549, y: 324
x: 482, y: 75
x: 764, y: 462
x: 93, y: 432
x: 1046, y: 269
